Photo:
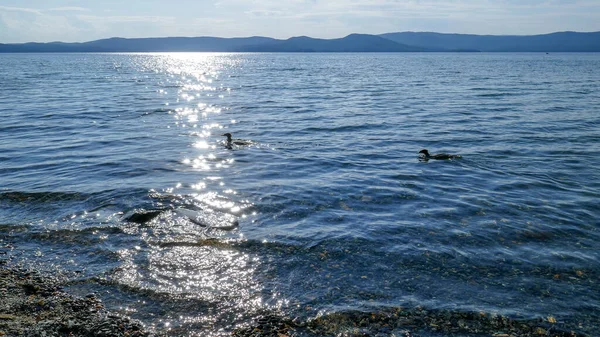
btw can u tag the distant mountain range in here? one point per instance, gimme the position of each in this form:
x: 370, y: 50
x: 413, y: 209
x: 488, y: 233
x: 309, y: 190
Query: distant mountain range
x: 555, y: 42
x: 390, y: 42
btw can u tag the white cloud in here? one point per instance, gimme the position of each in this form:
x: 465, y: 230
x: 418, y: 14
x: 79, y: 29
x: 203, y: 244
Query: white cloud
x: 26, y: 25
x: 126, y: 19
x: 69, y: 9
x: 19, y: 9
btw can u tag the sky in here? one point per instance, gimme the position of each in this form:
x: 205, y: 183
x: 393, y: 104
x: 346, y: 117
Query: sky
x: 86, y: 20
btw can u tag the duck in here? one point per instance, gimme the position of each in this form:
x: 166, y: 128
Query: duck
x: 439, y: 156
x: 238, y: 142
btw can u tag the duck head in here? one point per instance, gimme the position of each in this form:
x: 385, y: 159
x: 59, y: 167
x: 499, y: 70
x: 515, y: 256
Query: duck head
x: 228, y: 135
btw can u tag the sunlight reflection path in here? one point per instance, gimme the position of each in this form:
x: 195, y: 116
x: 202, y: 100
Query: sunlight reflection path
x: 180, y: 258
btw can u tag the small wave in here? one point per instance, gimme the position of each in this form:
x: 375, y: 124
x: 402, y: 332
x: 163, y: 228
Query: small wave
x: 91, y: 236
x: 292, y: 69
x: 344, y: 128
x: 211, y: 242
x: 530, y: 184
x: 209, y: 218
x: 211, y: 201
x: 45, y: 197
x: 498, y: 109
x: 499, y: 94
x: 559, y: 108
x: 158, y: 110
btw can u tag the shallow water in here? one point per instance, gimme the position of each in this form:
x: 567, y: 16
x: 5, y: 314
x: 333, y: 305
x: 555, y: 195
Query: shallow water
x: 335, y: 211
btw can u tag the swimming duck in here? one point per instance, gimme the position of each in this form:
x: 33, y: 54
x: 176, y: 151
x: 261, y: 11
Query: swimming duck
x: 239, y: 142
x: 439, y: 156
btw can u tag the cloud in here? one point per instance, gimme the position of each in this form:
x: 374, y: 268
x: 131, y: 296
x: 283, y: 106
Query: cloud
x: 26, y: 24
x: 19, y: 9
x: 156, y: 26
x: 69, y: 9
x: 431, y: 8
x: 126, y: 19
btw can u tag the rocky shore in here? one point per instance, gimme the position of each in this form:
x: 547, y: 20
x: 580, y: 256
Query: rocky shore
x: 34, y: 305
x: 415, y: 322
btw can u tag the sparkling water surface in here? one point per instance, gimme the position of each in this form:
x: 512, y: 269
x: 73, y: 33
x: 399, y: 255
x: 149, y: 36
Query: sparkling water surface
x: 335, y: 211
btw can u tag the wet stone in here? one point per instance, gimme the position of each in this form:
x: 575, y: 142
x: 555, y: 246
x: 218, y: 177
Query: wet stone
x: 34, y: 305
x: 403, y: 322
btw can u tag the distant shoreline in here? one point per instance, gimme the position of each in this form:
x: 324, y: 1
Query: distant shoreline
x: 353, y: 43
x: 283, y: 53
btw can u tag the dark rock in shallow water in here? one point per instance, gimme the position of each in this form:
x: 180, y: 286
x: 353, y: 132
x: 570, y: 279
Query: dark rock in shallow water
x: 143, y: 216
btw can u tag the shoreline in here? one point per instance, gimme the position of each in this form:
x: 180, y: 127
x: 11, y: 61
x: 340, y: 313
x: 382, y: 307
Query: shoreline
x: 34, y: 304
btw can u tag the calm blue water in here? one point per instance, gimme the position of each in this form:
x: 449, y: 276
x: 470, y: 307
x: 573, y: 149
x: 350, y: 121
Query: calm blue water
x: 335, y: 211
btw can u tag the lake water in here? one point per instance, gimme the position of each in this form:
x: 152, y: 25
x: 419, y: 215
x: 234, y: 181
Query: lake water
x: 338, y: 219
